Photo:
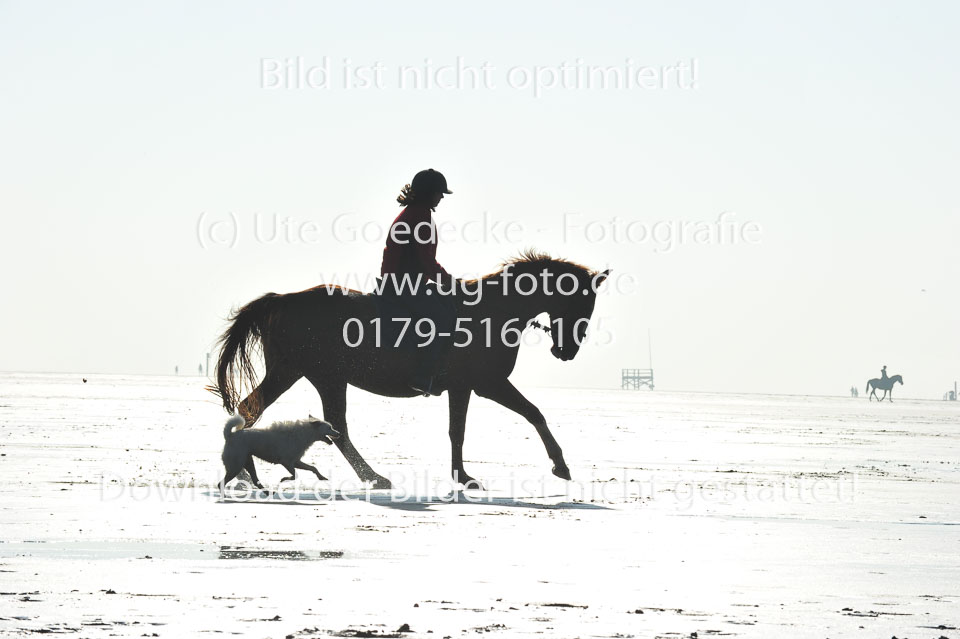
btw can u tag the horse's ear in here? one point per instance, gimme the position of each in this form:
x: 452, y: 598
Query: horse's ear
x: 599, y: 278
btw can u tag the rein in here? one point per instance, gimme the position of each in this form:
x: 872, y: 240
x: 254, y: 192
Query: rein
x: 546, y: 329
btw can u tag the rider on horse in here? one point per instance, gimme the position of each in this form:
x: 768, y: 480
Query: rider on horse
x: 410, y: 272
x: 883, y: 373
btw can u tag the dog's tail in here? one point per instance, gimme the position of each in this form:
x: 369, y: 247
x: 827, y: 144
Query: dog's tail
x: 234, y: 422
x: 235, y: 368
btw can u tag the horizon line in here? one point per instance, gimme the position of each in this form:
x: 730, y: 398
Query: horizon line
x: 543, y: 386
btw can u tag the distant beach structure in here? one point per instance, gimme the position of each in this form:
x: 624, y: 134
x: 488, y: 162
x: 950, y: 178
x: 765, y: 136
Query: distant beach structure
x: 637, y: 378
x: 951, y: 395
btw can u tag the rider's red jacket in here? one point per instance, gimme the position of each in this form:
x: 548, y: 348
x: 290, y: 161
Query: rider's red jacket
x: 412, y: 245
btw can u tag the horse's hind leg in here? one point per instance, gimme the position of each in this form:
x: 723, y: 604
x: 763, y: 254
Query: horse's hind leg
x: 274, y: 385
x: 334, y: 398
x: 506, y: 394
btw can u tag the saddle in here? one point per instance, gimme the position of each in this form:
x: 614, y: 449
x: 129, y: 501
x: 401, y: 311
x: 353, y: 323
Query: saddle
x: 390, y: 307
x: 397, y: 309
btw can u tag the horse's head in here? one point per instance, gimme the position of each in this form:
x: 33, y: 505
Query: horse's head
x: 897, y: 378
x: 571, y: 319
x: 569, y: 294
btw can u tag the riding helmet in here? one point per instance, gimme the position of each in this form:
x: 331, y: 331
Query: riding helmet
x: 430, y: 181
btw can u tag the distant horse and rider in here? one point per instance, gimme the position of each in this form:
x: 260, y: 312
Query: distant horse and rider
x: 883, y: 383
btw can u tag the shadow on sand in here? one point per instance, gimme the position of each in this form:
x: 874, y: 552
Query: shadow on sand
x: 400, y: 501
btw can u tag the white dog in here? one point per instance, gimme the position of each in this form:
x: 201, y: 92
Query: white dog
x: 281, y: 443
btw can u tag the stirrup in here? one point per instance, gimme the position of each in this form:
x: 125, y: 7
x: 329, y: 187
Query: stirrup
x: 423, y: 389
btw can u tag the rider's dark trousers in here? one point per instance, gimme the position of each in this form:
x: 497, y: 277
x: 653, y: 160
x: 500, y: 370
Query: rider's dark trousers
x: 428, y: 303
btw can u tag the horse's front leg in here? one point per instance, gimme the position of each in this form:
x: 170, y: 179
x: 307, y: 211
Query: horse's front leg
x: 334, y: 398
x: 459, y: 400
x: 507, y: 395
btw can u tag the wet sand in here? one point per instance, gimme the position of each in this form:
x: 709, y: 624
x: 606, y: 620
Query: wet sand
x: 689, y: 515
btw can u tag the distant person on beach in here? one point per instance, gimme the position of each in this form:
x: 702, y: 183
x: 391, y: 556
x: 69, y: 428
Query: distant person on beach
x: 410, y: 273
x: 883, y: 373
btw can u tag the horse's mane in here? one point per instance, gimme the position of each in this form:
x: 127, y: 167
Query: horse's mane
x: 531, y: 258
x: 333, y: 289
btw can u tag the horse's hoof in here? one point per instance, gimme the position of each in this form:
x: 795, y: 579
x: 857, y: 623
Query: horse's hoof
x: 469, y: 483
x: 562, y: 472
x: 382, y: 483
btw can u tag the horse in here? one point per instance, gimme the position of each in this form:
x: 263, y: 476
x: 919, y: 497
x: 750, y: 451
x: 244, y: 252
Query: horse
x: 330, y: 336
x: 886, y: 385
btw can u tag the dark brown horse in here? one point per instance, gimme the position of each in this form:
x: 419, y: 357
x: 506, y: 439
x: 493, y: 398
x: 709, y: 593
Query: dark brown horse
x: 316, y: 334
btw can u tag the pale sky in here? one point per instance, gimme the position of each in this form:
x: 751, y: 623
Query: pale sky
x: 134, y: 134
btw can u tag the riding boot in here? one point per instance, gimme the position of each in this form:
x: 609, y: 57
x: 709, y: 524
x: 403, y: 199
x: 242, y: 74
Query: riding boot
x: 442, y: 313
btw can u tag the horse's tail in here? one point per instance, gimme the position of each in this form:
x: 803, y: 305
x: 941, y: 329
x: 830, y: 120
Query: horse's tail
x: 235, y: 367
x: 868, y: 386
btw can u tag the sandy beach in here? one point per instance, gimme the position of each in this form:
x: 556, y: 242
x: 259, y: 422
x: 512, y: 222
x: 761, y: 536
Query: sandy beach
x: 690, y: 515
